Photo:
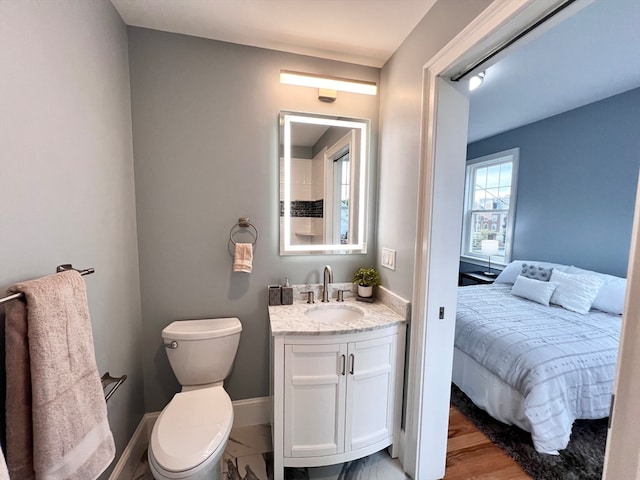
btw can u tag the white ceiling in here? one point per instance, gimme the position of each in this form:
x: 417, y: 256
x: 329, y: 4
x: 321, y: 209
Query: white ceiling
x: 365, y: 32
x: 590, y: 56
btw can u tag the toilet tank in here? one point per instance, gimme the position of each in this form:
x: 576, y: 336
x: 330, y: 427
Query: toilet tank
x: 205, y: 349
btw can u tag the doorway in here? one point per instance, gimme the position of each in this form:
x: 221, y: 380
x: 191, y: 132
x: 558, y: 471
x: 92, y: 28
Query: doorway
x: 433, y: 300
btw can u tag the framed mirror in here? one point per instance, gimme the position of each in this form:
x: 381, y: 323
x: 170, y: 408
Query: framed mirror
x: 323, y: 184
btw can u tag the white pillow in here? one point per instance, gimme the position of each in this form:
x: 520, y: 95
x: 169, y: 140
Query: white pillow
x: 511, y: 271
x: 535, y: 290
x: 610, y: 298
x: 575, y: 292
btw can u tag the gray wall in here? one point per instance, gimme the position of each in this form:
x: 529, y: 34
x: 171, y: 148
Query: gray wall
x: 66, y: 172
x: 400, y: 133
x: 577, y: 182
x: 205, y: 128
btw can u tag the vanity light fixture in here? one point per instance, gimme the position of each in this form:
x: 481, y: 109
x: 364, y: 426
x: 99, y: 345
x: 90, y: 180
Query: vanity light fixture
x: 476, y: 81
x: 290, y: 77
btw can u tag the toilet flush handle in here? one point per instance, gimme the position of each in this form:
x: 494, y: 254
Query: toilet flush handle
x: 173, y: 345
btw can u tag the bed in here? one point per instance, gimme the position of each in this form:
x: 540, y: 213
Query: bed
x: 535, y: 364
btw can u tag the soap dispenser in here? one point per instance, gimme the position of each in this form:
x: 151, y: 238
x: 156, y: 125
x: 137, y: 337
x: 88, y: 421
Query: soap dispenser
x: 275, y: 295
x: 287, y: 293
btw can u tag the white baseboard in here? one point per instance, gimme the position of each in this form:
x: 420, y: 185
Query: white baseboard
x: 252, y: 411
x: 401, y: 446
x: 130, y: 458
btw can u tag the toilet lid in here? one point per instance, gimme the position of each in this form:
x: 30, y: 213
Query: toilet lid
x: 191, y: 428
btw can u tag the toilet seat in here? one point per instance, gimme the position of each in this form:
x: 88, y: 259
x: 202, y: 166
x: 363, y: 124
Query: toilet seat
x: 191, y: 429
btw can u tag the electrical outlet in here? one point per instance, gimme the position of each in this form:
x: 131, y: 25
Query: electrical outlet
x: 389, y: 258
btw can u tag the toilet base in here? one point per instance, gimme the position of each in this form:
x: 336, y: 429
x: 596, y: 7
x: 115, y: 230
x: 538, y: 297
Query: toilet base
x: 212, y: 471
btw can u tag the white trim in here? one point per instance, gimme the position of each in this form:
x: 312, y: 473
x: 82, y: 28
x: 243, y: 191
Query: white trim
x: 130, y: 458
x: 495, y: 265
x: 499, y: 21
x: 333, y: 183
x: 468, y: 43
x: 399, y: 449
x: 622, y: 454
x: 252, y: 411
x: 510, y: 155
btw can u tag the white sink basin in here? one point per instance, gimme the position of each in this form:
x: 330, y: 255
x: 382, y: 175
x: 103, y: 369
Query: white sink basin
x: 334, y: 313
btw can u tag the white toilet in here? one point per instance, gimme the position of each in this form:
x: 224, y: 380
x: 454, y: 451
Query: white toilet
x: 191, y: 433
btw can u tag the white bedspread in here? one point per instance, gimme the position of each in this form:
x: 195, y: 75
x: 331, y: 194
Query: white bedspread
x: 563, y: 363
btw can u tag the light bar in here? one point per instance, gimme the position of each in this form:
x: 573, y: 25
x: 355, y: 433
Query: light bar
x: 330, y: 83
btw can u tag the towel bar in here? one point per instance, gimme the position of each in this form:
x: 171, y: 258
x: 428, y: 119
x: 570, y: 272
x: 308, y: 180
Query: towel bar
x: 59, y: 268
x: 243, y: 222
x: 67, y: 266
x: 108, y: 380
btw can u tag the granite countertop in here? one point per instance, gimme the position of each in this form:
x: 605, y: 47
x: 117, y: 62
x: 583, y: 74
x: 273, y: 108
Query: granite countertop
x: 291, y: 319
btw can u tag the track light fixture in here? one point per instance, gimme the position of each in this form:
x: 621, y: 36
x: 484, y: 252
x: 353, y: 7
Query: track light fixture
x: 476, y: 81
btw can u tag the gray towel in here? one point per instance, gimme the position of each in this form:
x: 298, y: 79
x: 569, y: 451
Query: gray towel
x: 57, y: 425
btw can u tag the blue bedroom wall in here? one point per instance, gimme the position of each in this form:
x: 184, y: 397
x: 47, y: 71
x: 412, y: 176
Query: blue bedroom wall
x: 577, y: 184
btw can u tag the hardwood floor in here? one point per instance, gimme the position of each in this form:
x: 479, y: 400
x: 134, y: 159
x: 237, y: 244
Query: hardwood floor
x: 471, y: 455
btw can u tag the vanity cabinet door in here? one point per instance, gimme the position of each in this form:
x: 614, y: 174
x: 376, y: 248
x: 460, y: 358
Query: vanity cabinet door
x: 370, y: 391
x: 314, y: 399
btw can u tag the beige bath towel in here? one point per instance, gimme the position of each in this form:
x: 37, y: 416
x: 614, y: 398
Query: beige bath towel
x: 243, y: 259
x: 57, y: 426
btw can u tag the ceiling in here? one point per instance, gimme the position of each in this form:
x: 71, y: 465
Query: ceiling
x: 365, y: 32
x: 590, y: 56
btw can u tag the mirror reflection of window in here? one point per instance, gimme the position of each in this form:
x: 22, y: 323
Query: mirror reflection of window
x: 342, y: 184
x: 344, y: 200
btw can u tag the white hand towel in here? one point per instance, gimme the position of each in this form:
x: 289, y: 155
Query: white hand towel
x: 243, y: 258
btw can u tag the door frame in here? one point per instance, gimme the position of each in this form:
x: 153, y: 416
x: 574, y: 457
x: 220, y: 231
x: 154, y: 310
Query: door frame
x: 497, y: 22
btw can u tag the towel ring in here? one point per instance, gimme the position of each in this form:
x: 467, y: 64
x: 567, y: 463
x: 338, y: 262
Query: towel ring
x: 243, y: 222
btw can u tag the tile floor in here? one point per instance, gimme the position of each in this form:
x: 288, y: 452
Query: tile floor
x: 248, y: 456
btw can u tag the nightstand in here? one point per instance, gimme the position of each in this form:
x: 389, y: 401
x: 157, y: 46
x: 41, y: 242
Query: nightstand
x: 478, y: 278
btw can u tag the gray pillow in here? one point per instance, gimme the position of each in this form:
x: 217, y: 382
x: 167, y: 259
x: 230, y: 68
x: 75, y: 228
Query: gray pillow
x: 536, y: 272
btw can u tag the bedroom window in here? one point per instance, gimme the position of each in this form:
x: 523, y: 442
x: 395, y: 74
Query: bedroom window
x: 489, y: 206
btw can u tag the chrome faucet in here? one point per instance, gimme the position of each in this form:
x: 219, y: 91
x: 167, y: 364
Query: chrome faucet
x: 327, y: 279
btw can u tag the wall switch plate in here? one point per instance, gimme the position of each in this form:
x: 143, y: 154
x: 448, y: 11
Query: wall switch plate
x: 389, y: 258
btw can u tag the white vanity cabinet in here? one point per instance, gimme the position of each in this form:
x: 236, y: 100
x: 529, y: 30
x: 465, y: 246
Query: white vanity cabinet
x: 336, y: 397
